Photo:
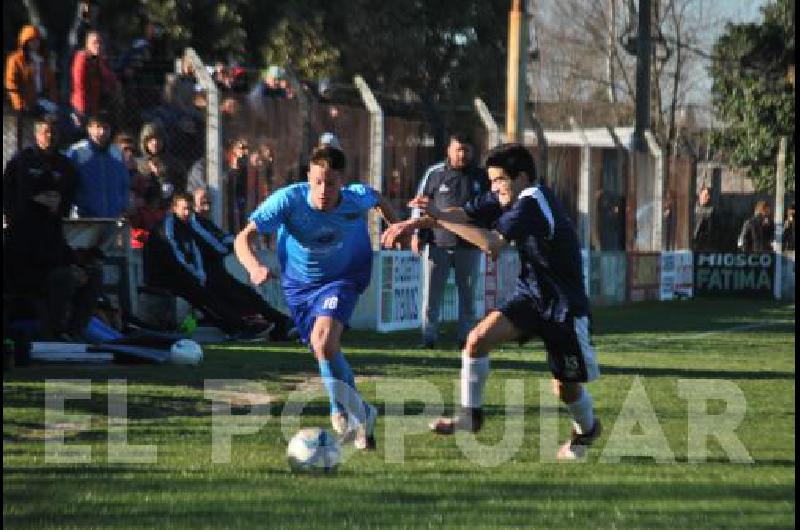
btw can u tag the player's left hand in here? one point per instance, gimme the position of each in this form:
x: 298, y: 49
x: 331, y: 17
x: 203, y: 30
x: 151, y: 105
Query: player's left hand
x: 260, y: 274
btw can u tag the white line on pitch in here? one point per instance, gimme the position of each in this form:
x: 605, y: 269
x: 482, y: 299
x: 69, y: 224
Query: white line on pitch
x: 743, y: 327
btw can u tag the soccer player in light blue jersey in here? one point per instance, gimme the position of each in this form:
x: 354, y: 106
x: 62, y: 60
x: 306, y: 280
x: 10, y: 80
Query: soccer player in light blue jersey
x: 326, y: 260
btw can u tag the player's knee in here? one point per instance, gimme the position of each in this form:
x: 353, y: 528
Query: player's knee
x: 475, y: 344
x: 323, y: 345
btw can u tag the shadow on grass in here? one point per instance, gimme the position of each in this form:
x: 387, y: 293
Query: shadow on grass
x: 381, y: 364
x: 417, y: 500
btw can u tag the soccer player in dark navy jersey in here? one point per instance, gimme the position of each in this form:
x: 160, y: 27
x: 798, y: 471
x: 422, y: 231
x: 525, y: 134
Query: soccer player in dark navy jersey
x: 326, y: 261
x: 549, y: 299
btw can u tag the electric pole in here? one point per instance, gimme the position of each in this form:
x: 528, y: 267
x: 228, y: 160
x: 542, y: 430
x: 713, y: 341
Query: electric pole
x: 643, y: 55
x: 515, y: 78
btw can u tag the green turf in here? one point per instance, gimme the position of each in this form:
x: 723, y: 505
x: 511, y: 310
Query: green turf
x: 436, y: 485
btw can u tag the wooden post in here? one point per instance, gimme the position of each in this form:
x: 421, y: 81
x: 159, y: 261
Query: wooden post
x: 515, y: 80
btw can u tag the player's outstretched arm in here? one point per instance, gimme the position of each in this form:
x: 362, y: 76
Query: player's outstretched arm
x: 384, y: 207
x: 425, y: 206
x: 457, y: 221
x: 398, y: 234
x: 489, y: 241
x: 258, y: 272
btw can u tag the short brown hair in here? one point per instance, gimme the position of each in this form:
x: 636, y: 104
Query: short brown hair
x: 328, y: 156
x: 182, y: 196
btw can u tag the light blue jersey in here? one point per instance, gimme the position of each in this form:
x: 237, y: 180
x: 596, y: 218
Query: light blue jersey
x: 317, y: 247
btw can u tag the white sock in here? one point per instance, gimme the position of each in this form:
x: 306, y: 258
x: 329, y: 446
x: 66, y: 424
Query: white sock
x: 474, y: 372
x: 582, y: 412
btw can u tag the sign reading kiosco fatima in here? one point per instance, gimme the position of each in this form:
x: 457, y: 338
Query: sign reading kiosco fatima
x: 721, y: 274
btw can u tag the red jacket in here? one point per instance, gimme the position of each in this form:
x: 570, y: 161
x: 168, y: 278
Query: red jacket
x: 92, y: 81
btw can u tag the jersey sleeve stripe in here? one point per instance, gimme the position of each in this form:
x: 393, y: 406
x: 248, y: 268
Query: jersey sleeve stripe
x: 415, y: 212
x: 544, y: 206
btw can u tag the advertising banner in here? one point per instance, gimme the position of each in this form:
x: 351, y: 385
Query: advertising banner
x: 734, y: 274
x: 400, y: 295
x: 677, y: 275
x: 644, y: 276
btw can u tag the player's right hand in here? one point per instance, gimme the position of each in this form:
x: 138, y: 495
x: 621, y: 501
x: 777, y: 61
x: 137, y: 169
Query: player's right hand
x: 259, y: 274
x: 393, y: 236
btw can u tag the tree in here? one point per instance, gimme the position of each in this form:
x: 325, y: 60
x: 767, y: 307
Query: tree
x: 753, y: 95
x: 586, y: 56
x: 444, y: 52
x: 302, y: 45
x: 213, y: 28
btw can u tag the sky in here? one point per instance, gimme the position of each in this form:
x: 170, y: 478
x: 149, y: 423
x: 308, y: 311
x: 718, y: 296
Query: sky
x: 741, y: 10
x: 717, y: 13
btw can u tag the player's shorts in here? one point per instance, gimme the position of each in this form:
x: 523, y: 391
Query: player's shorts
x: 336, y: 299
x: 570, y: 354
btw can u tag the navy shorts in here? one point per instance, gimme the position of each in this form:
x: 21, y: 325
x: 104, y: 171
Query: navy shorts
x: 570, y: 354
x: 336, y: 299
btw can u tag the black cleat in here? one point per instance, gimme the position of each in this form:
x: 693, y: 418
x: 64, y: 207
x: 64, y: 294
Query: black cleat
x: 579, y: 444
x: 468, y: 419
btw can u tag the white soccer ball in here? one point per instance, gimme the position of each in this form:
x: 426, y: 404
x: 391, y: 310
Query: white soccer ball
x: 313, y: 450
x: 186, y: 351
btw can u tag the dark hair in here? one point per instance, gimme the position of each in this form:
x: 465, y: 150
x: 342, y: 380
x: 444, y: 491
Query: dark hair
x: 45, y: 119
x: 460, y: 137
x: 124, y: 136
x: 329, y: 156
x: 100, y: 117
x: 514, y: 159
x: 90, y: 31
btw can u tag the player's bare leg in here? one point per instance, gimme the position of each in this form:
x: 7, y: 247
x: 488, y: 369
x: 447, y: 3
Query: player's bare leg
x: 338, y: 379
x: 585, y: 427
x: 492, y: 331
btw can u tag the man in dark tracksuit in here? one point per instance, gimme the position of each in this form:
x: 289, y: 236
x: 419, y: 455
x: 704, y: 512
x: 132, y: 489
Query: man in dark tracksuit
x: 41, y: 268
x: 215, y: 245
x: 37, y: 163
x: 173, y: 261
x: 449, y: 184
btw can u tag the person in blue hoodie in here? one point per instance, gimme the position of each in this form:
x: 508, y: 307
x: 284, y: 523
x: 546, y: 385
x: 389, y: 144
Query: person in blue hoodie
x: 104, y: 181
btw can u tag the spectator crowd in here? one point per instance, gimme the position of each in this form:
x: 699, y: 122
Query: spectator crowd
x: 121, y: 136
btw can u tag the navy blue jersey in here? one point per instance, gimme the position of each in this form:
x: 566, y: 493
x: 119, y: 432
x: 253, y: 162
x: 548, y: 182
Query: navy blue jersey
x: 551, y: 274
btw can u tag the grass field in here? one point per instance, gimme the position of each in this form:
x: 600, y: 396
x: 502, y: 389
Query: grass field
x: 743, y: 344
